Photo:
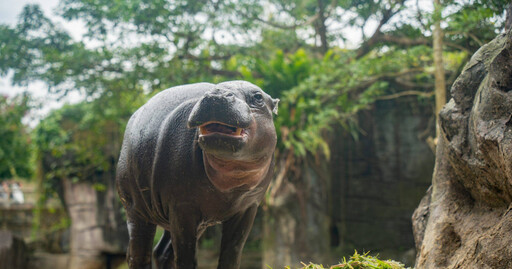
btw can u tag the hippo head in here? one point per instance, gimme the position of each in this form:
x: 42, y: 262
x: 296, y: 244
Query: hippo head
x: 236, y: 133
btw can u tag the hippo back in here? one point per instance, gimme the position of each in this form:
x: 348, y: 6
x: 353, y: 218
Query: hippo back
x: 141, y: 143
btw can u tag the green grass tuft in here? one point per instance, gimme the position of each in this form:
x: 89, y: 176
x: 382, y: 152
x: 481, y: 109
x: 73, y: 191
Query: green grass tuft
x: 358, y: 261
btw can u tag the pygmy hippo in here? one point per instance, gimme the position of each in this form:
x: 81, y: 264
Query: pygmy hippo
x: 194, y: 156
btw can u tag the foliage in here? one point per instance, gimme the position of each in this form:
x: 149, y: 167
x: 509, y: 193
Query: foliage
x: 343, y: 87
x: 295, y: 50
x: 15, y: 154
x: 63, y: 145
x: 81, y: 141
x: 472, y: 24
x: 358, y: 261
x: 277, y: 74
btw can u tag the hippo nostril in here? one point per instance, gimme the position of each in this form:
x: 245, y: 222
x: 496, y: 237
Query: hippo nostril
x: 218, y: 94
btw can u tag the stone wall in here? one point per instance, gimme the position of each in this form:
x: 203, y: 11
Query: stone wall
x: 362, y: 199
x: 13, y: 252
x: 98, y: 230
x: 380, y: 177
x: 97, y: 236
x: 52, y: 233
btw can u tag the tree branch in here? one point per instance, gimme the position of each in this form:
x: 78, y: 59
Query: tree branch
x: 476, y: 39
x: 227, y: 73
x: 190, y: 56
x: 405, y: 93
x: 402, y: 40
x: 370, y: 81
x: 367, y: 45
x: 309, y: 21
x: 287, y: 27
x: 412, y: 85
x: 459, y: 47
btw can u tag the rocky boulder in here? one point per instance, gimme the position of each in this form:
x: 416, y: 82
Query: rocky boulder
x: 465, y: 221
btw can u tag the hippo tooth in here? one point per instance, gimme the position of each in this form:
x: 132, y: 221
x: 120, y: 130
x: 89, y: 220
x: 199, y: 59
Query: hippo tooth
x: 238, y: 131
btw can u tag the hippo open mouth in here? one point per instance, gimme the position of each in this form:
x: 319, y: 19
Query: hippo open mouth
x: 220, y: 128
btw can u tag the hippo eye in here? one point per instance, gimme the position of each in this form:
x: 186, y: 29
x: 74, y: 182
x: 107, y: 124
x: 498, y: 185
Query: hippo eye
x: 258, y: 97
x: 257, y: 100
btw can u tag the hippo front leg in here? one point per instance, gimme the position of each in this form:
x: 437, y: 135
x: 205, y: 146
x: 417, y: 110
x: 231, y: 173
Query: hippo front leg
x: 234, y: 234
x: 184, y: 235
x: 141, y: 243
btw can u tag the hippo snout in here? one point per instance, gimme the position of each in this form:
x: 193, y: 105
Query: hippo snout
x: 221, y: 106
x: 219, y: 95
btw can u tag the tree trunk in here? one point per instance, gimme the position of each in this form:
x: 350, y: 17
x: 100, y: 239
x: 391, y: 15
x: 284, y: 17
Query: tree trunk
x: 508, y: 20
x: 440, y: 83
x: 321, y: 28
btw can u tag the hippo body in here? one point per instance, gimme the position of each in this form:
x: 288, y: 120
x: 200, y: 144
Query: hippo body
x: 194, y: 156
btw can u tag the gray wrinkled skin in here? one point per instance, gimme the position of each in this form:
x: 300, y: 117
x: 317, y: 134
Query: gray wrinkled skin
x: 170, y: 174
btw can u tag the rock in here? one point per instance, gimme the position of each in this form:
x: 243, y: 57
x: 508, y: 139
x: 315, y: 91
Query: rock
x: 97, y: 229
x: 466, y: 221
x: 420, y: 218
x: 12, y: 251
x: 45, y: 260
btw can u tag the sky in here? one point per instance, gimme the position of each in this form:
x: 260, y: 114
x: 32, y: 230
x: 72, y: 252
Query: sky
x: 9, y: 11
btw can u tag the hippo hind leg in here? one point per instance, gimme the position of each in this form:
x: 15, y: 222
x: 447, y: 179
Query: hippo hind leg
x: 163, y: 252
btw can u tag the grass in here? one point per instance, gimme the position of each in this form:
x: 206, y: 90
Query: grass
x: 358, y: 261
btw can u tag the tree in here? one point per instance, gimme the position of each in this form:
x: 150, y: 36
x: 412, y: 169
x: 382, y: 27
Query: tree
x: 293, y: 49
x: 15, y: 145
x: 440, y: 83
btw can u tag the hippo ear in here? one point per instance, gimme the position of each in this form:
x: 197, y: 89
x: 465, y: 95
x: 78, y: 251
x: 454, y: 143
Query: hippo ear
x: 274, y: 105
